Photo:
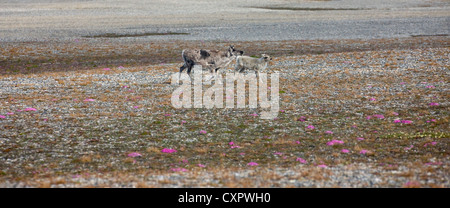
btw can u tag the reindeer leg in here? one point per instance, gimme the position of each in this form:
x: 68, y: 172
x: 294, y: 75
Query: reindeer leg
x: 217, y: 76
x: 211, y: 73
x: 236, y: 68
x: 189, y: 71
x: 181, y: 70
x: 183, y: 67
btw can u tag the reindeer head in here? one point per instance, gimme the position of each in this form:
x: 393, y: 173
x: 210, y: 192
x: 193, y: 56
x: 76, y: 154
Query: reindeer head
x: 266, y: 57
x: 233, y: 52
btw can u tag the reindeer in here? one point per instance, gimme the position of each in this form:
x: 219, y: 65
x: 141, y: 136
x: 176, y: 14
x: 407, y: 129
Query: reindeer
x: 211, y: 60
x: 255, y: 64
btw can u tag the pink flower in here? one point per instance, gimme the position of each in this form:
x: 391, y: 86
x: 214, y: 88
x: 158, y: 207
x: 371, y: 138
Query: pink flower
x: 310, y: 127
x: 135, y: 107
x: 178, y: 170
x: 30, y: 109
x: 345, y: 151
x: 167, y: 114
x: 372, y: 99
x: 433, y: 163
x: 410, y: 147
x: 430, y: 86
x: 359, y: 138
x: 395, y: 113
x: 183, y: 122
x: 334, y: 141
x: 378, y: 116
x: 134, y: 154
x: 201, y: 165
x: 434, y: 104
x: 298, y: 142
x: 242, y: 153
x: 375, y: 116
x: 10, y: 113
x: 302, y: 118
x: 329, y: 132
x: 232, y: 146
x: 402, y: 83
x: 411, y: 184
x: 254, y: 114
x: 252, y: 164
x: 402, y: 121
x: 106, y: 69
x: 363, y: 151
x: 202, y: 132
x: 301, y: 160
x: 2, y: 116
x: 430, y: 143
x: 88, y: 100
x: 322, y: 166
x: 165, y: 150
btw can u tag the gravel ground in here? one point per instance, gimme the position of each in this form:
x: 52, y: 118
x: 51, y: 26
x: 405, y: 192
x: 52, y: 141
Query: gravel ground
x: 84, y: 111
x: 70, y: 141
x: 223, y: 20
x: 349, y: 176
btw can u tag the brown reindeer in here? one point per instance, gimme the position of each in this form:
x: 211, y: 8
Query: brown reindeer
x: 211, y: 60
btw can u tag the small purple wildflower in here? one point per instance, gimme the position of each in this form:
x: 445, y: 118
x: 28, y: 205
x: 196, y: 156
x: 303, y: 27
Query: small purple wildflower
x: 166, y: 150
x: 134, y: 154
x: 252, y: 164
x: 301, y: 160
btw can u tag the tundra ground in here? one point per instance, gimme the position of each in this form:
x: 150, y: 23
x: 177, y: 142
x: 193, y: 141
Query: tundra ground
x: 353, y: 113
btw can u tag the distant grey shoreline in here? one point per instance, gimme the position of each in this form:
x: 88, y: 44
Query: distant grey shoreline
x: 66, y: 20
